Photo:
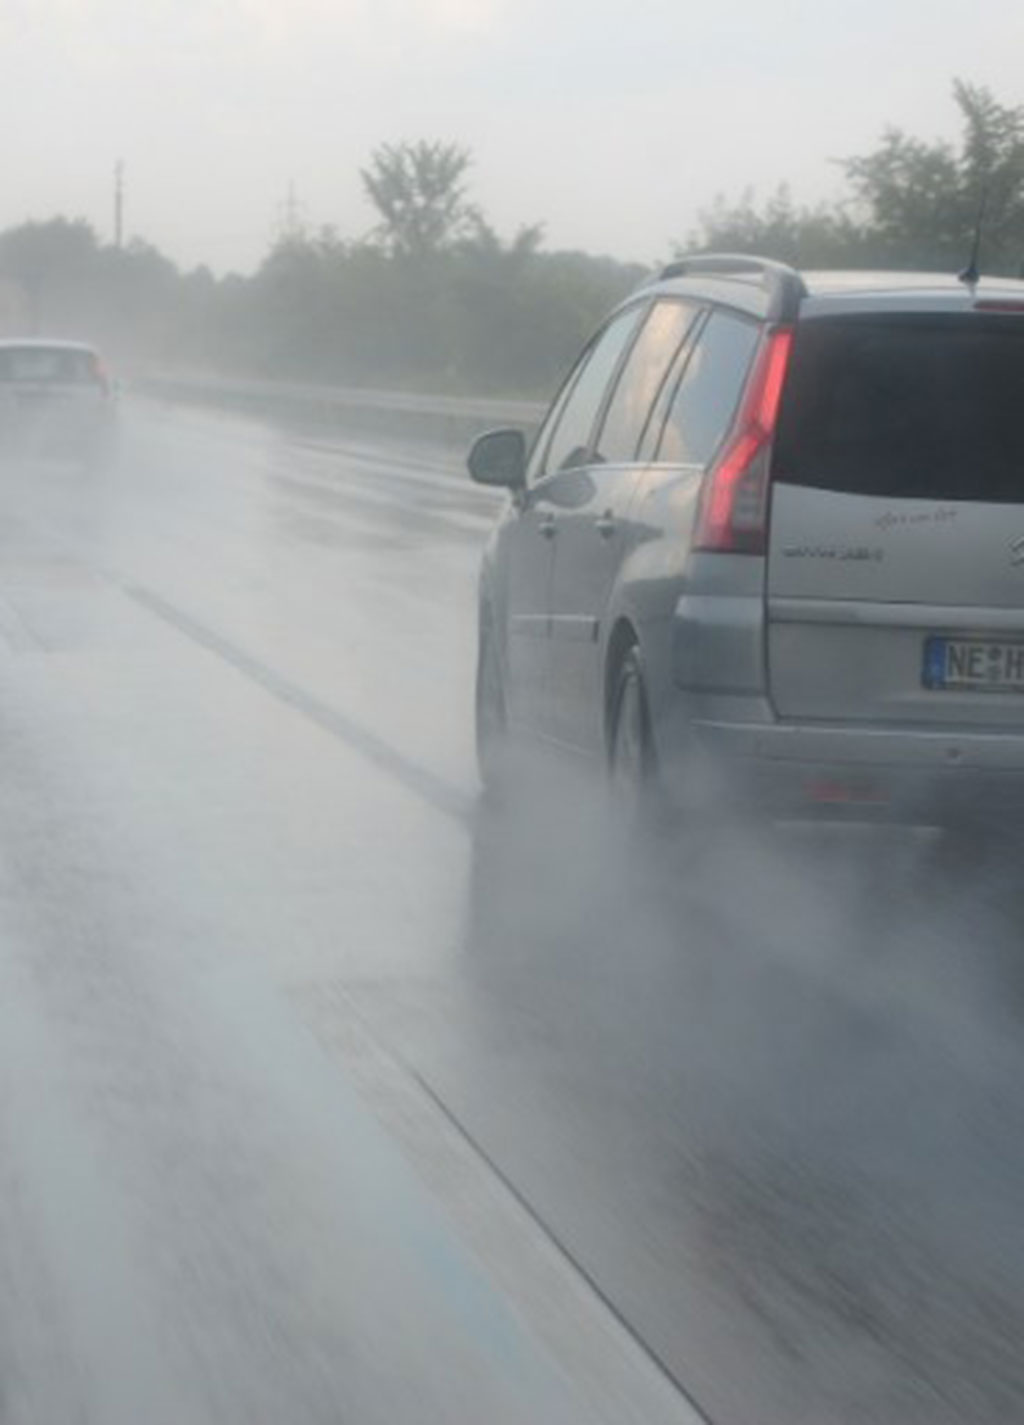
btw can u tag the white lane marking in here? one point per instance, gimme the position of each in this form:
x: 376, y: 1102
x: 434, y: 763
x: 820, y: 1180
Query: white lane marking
x: 612, y: 1366
x: 440, y: 795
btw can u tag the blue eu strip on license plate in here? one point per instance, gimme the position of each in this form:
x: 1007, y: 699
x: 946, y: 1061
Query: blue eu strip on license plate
x: 934, y: 663
x: 973, y: 665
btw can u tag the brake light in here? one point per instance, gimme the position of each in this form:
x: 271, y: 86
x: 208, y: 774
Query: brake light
x: 828, y: 791
x: 100, y: 376
x: 734, y: 507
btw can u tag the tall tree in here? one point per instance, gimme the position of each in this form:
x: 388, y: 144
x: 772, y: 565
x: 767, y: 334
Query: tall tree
x: 419, y: 191
x: 911, y: 202
x: 922, y: 199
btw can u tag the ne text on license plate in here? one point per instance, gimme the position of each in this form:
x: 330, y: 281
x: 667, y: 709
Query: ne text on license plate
x: 974, y: 664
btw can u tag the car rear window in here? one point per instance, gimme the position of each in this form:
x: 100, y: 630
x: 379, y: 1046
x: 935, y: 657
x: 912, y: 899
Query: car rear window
x: 703, y: 400
x: 642, y: 377
x: 910, y: 407
x: 47, y: 364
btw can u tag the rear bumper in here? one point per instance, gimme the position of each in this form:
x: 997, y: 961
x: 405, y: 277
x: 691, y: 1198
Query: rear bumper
x: 837, y: 770
x: 57, y: 430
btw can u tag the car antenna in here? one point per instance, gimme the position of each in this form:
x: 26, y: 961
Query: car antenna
x: 970, y: 275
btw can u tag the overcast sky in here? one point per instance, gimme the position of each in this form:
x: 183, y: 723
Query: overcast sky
x: 612, y: 123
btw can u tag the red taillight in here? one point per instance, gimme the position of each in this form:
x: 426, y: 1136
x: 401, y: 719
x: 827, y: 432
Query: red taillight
x: 829, y: 791
x: 100, y: 376
x: 734, y: 506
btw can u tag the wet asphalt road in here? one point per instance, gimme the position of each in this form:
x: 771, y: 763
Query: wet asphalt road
x: 326, y: 1095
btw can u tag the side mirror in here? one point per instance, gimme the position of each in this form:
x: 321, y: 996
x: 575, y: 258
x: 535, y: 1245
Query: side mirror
x: 498, y: 457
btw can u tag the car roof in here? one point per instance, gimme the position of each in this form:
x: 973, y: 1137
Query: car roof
x: 44, y: 343
x: 771, y: 290
x: 819, y: 282
x: 833, y: 293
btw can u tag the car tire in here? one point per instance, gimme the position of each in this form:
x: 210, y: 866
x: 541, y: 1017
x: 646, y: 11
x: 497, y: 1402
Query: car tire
x: 632, y: 765
x: 491, y: 719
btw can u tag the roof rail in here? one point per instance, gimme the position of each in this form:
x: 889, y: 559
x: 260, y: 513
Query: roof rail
x: 784, y: 284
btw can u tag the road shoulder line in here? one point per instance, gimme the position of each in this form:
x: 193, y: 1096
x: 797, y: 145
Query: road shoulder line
x: 611, y: 1366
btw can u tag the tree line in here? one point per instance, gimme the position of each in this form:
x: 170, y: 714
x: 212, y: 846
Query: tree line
x: 909, y: 203
x: 434, y: 298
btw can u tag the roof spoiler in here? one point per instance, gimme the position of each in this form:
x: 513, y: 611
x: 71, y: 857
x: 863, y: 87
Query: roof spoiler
x: 783, y: 284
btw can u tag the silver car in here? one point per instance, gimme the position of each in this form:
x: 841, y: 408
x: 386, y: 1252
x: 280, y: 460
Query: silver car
x: 56, y: 398
x: 768, y: 547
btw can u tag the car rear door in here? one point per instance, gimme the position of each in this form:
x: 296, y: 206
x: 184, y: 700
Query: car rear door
x: 595, y: 533
x: 896, y: 559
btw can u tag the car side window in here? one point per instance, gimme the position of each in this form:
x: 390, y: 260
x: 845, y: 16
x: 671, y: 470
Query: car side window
x: 658, y: 415
x: 642, y: 376
x: 708, y: 390
x: 535, y: 464
x: 569, y: 444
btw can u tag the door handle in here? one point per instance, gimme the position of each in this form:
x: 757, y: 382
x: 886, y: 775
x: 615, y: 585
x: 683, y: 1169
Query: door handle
x: 546, y: 526
x: 605, y: 525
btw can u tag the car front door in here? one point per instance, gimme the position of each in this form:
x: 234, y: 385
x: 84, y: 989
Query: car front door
x: 527, y: 552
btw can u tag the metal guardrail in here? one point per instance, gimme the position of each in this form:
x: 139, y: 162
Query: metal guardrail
x: 451, y: 419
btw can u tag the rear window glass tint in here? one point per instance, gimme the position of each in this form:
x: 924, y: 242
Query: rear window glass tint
x: 46, y: 364
x: 708, y: 392
x: 928, y: 408
x: 642, y: 376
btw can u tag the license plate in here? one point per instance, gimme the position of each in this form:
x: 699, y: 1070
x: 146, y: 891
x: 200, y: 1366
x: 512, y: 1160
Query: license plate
x: 973, y: 664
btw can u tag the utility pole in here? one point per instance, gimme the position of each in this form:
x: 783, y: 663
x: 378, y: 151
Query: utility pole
x: 291, y: 210
x: 290, y: 222
x: 119, y: 203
